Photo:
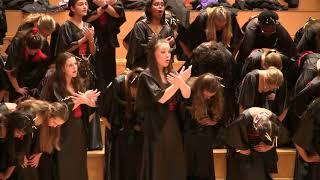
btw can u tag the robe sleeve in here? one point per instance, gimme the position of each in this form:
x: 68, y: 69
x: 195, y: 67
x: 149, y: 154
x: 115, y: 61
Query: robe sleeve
x: 192, y: 35
x: 235, y: 135
x: 137, y: 45
x: 248, y: 91
x: 304, y: 134
x: 64, y: 39
x: 13, y: 61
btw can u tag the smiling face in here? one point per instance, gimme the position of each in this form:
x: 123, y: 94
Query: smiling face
x: 80, y: 8
x: 157, y: 9
x: 163, y: 55
x: 71, y: 68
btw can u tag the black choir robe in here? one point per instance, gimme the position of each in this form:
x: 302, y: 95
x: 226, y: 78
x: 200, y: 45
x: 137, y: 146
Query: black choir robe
x: 307, y: 137
x: 123, y: 142
x: 238, y: 136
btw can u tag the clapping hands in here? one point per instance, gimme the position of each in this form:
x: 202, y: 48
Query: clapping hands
x: 89, y: 98
x: 181, y: 77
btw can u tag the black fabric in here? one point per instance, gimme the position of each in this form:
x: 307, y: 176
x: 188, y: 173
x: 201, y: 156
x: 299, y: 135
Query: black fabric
x: 308, y: 70
x: 216, y: 59
x: 259, y: 4
x: 257, y: 164
x: 124, y: 143
x: 293, y: 3
x: 195, y: 34
x: 94, y: 134
x: 198, y: 142
x: 163, y: 156
x: 254, y: 39
x: 28, y: 71
x: 71, y: 161
x: 306, y: 171
x: 106, y: 29
x: 249, y: 95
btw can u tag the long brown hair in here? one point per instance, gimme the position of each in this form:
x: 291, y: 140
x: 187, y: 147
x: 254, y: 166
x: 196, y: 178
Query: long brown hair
x: 214, y: 13
x: 131, y: 81
x: 152, y: 62
x: 58, y: 78
x: 202, y: 108
x: 49, y: 136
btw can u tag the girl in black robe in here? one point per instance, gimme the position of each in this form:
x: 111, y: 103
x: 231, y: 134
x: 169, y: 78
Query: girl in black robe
x: 77, y: 37
x: 300, y: 103
x: 308, y: 70
x: 125, y: 138
x: 144, y: 30
x: 106, y: 19
x: 310, y: 41
x: 214, y: 58
x: 252, y: 140
x: 163, y: 156
x: 16, y: 146
x: 65, y: 85
x: 307, y: 142
x: 257, y: 88
x: 201, y: 119
x: 264, y: 31
x: 263, y: 59
x: 26, y: 64
x: 212, y: 24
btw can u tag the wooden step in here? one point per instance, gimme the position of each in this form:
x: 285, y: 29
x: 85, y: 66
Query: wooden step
x: 95, y: 166
x: 286, y: 163
x: 292, y: 20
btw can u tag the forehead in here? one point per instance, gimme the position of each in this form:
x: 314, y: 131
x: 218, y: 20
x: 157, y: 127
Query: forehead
x: 71, y: 60
x: 157, y: 1
x: 81, y: 2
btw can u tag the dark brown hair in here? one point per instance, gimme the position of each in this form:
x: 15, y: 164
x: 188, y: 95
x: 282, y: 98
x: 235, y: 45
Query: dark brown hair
x: 212, y: 108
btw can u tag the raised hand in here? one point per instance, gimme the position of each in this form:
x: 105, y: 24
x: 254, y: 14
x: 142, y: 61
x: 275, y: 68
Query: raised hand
x: 185, y: 73
x: 88, y: 32
x: 100, y: 3
x: 170, y: 39
x: 262, y: 148
x: 175, y: 79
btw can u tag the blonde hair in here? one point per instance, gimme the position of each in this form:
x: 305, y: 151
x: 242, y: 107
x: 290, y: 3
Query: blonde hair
x: 43, y: 21
x: 272, y: 58
x: 274, y: 76
x: 214, y: 13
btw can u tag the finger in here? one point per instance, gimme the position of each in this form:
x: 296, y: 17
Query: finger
x: 182, y: 69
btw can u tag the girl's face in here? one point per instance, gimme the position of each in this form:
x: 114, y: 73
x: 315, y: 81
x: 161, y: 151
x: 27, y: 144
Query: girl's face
x: 270, y: 87
x: 207, y: 94
x: 220, y: 23
x: 80, y: 8
x: 157, y: 9
x: 55, y: 121
x: 71, y: 68
x: 163, y: 55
